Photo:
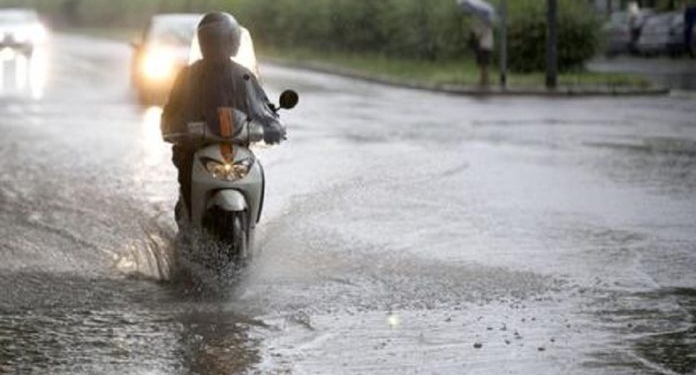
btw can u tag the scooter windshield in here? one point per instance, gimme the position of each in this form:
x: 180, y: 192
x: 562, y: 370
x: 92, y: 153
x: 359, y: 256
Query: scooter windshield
x: 245, y: 56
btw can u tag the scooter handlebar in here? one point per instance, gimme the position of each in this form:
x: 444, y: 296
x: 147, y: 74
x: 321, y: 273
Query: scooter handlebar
x: 249, y: 131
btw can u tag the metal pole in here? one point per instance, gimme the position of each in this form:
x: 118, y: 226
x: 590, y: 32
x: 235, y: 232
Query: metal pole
x: 552, y: 45
x: 503, y: 44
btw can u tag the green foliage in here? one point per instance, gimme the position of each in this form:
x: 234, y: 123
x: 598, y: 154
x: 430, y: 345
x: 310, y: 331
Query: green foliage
x: 578, y: 36
x: 434, y: 30
x: 423, y: 30
x: 417, y: 29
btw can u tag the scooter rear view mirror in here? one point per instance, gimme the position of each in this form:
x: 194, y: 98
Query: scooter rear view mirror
x: 289, y: 99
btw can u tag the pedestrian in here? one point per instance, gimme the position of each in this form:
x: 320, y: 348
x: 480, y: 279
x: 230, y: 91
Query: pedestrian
x: 634, y: 24
x: 483, y: 43
x: 481, y: 34
x: 689, y: 20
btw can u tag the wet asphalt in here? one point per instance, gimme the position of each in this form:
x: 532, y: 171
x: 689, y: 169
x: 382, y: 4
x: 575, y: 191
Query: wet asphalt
x: 404, y: 232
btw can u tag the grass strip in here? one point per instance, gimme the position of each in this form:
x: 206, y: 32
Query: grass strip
x: 442, y: 73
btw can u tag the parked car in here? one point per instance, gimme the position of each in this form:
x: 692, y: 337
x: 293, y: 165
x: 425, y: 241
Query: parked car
x: 623, y: 29
x: 659, y: 33
x: 636, y: 25
x: 617, y: 33
x: 21, y: 30
x: 163, y: 51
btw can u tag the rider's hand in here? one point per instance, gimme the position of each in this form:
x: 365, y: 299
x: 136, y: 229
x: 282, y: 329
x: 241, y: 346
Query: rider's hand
x: 273, y: 134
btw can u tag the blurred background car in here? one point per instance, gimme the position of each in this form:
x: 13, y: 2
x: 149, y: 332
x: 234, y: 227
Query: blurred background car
x: 623, y: 29
x: 659, y: 32
x: 637, y: 20
x: 162, y: 52
x: 21, y: 31
x: 617, y: 33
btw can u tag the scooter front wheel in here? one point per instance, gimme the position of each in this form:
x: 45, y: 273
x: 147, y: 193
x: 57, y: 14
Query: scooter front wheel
x: 230, y: 229
x: 238, y: 243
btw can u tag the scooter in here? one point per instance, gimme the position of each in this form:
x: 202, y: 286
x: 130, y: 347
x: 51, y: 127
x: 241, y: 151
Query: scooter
x: 227, y: 188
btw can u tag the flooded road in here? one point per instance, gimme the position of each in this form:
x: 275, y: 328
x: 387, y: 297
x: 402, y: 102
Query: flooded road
x: 404, y: 233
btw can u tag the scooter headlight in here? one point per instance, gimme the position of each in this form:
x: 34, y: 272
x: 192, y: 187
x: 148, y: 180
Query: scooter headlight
x: 228, y: 171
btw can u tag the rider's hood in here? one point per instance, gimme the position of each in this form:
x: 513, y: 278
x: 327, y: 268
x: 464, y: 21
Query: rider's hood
x: 245, y: 55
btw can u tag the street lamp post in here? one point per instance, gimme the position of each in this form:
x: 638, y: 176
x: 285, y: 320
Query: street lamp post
x: 552, y: 45
x: 503, y: 44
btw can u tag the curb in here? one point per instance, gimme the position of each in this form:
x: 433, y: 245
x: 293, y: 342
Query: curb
x: 562, y: 92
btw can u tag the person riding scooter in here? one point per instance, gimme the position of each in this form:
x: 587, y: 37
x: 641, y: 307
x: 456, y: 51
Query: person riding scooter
x: 209, y: 84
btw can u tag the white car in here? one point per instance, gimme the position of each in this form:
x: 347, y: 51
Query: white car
x: 163, y: 51
x: 170, y: 43
x: 21, y: 30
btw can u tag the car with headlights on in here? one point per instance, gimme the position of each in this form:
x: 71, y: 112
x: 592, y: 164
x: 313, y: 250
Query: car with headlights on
x: 21, y: 30
x: 161, y: 53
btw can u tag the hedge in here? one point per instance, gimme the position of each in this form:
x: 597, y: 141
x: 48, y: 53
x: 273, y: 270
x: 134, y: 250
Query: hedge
x: 413, y: 29
x: 432, y: 30
x: 578, y: 35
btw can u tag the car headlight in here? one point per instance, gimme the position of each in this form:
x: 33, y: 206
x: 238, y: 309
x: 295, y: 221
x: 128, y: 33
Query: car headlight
x: 21, y: 36
x: 158, y: 64
x: 228, y: 171
x: 39, y: 33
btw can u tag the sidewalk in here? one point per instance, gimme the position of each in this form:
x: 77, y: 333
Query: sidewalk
x: 674, y: 73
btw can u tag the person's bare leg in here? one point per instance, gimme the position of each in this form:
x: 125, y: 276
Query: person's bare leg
x: 483, y: 76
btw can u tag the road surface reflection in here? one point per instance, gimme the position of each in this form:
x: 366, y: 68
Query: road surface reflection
x: 23, y: 76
